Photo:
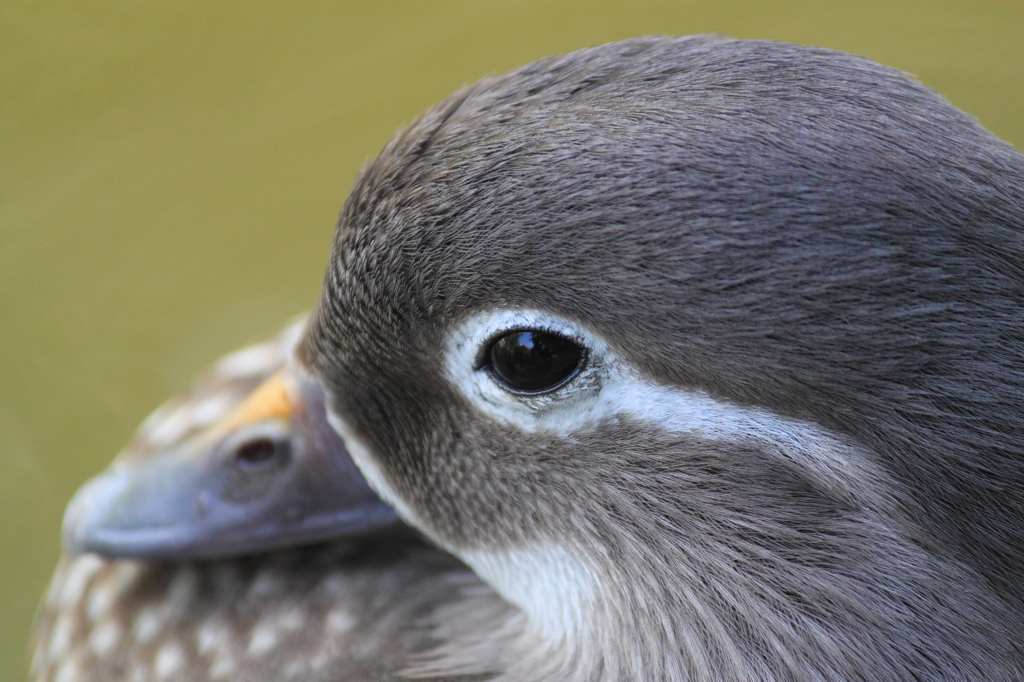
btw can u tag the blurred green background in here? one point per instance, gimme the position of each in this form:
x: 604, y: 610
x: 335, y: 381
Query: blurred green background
x: 170, y: 175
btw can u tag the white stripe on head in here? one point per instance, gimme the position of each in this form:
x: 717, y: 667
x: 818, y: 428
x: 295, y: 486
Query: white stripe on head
x: 608, y: 388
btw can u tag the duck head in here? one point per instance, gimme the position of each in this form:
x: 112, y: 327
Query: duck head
x: 248, y: 465
x: 704, y: 353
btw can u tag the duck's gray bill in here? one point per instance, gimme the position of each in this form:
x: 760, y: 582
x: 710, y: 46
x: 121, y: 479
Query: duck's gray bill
x: 272, y: 474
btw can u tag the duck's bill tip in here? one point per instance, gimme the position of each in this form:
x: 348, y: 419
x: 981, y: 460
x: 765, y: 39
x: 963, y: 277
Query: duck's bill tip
x: 154, y: 512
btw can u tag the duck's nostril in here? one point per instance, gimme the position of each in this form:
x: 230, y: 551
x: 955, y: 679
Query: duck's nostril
x: 256, y: 453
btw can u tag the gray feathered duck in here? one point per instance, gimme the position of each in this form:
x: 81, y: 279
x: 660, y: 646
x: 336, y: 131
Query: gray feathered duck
x: 705, y: 355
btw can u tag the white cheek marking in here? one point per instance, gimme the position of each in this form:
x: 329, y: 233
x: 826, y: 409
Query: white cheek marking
x: 554, y: 586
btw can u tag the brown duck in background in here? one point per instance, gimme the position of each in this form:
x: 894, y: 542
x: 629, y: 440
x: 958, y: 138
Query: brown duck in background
x: 355, y: 609
x: 706, y: 355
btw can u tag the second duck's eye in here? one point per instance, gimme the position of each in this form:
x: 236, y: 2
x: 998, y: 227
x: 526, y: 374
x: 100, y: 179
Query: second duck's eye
x: 531, y: 361
x: 262, y: 453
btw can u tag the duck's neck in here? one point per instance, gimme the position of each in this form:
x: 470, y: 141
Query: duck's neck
x: 729, y: 609
x: 572, y: 623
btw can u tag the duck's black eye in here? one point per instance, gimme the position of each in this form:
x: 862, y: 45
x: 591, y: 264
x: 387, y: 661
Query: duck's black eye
x: 531, y: 361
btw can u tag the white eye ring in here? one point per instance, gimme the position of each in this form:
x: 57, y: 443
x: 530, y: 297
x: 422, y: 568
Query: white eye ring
x: 468, y: 368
